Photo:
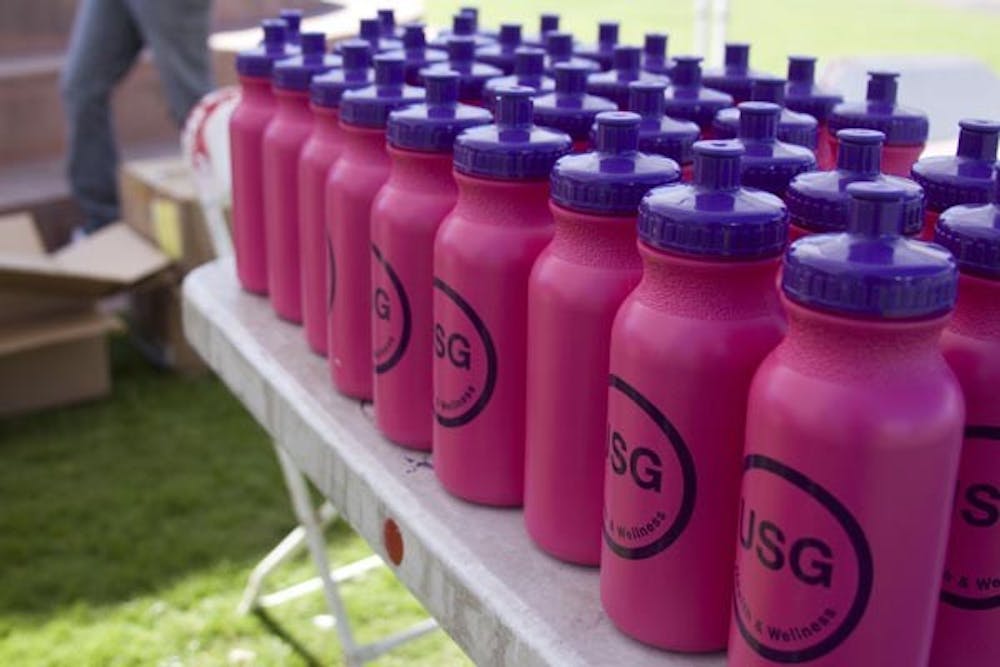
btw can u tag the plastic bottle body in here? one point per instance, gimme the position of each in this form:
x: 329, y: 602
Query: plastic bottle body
x: 355, y: 179
x: 406, y: 215
x: 967, y: 632
x: 319, y: 153
x: 897, y: 159
x: 483, y: 255
x: 246, y: 136
x: 826, y: 147
x: 575, y: 289
x: 283, y: 140
x: 853, y: 434
x: 684, y: 349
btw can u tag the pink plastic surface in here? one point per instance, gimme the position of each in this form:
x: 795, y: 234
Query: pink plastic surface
x: 684, y: 348
x: 968, y: 622
x: 826, y: 154
x: 246, y: 135
x: 406, y: 215
x: 353, y: 182
x: 483, y: 255
x: 283, y: 139
x: 575, y: 289
x: 319, y: 153
x: 853, y: 434
x: 930, y: 222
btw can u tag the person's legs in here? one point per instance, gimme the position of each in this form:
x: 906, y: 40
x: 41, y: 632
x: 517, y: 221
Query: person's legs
x: 102, y: 48
x: 177, y: 32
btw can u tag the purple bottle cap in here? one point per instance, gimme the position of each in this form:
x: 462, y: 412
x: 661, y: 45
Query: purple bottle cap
x: 967, y: 176
x: 901, y: 125
x: 603, y: 51
x: 769, y: 164
x: 654, y: 54
x: 871, y: 271
x: 714, y: 217
x: 658, y: 133
x: 512, y: 149
x: 462, y: 25
x: 472, y: 75
x: 613, y: 84
x: 529, y: 68
x: 613, y: 178
x: 735, y: 77
x: 370, y: 106
x: 687, y: 98
x: 546, y: 23
x: 259, y: 61
x: 327, y: 89
x: 387, y: 21
x: 559, y: 47
x: 432, y: 127
x: 818, y: 201
x: 293, y: 21
x: 371, y: 31
x: 502, y: 53
x: 803, y: 95
x: 296, y: 73
x: 570, y: 108
x: 415, y: 53
x: 793, y: 128
x: 972, y: 233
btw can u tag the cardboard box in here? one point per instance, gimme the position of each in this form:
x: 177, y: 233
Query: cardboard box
x: 155, y: 327
x: 53, y: 340
x: 159, y: 200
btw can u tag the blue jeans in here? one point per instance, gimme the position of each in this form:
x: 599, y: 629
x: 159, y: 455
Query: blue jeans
x: 107, y: 38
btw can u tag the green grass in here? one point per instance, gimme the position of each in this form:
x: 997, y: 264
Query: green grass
x: 128, y: 528
x: 776, y: 28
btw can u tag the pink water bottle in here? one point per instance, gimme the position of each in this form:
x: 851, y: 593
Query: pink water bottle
x: 472, y: 75
x: 684, y: 347
x: 319, y: 153
x: 735, y: 76
x: 246, y: 134
x: 688, y: 99
x: 654, y: 54
x: 626, y: 68
x: 371, y: 30
x: 351, y: 186
x: 660, y: 134
x: 804, y: 96
x: 967, y: 633
x: 483, y: 254
x: 503, y: 53
x: 406, y: 214
x: 529, y: 71
x: 854, y: 427
x: 415, y: 52
x: 282, y: 143
x: 818, y: 201
x: 574, y: 291
x: 793, y: 128
x: 964, y: 178
x: 769, y: 164
x: 293, y: 25
x: 905, y: 129
x: 603, y: 51
x: 569, y: 107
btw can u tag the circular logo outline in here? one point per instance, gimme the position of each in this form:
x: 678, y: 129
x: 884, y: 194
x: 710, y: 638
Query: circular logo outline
x: 491, y: 359
x: 689, y: 477
x: 331, y: 264
x: 954, y: 599
x: 866, y: 567
x: 404, y: 302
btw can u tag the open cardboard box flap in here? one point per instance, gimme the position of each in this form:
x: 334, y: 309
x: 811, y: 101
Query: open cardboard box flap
x: 108, y: 260
x: 22, y: 336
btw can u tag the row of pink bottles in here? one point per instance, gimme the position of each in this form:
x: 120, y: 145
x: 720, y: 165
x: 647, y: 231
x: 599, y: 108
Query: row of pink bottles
x: 283, y: 139
x: 318, y: 155
x: 246, y: 134
x: 353, y: 182
x: 483, y: 256
x: 684, y: 347
x: 853, y: 432
x: 406, y: 214
x: 575, y: 289
x: 967, y: 633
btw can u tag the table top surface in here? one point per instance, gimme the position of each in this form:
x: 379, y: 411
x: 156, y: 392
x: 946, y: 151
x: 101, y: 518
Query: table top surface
x: 474, y: 568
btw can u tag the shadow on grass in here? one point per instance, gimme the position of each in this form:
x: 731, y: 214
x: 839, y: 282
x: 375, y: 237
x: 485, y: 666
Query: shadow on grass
x: 279, y: 631
x: 101, y: 502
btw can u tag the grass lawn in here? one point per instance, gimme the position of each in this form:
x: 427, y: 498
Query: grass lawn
x: 776, y: 28
x: 128, y: 528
